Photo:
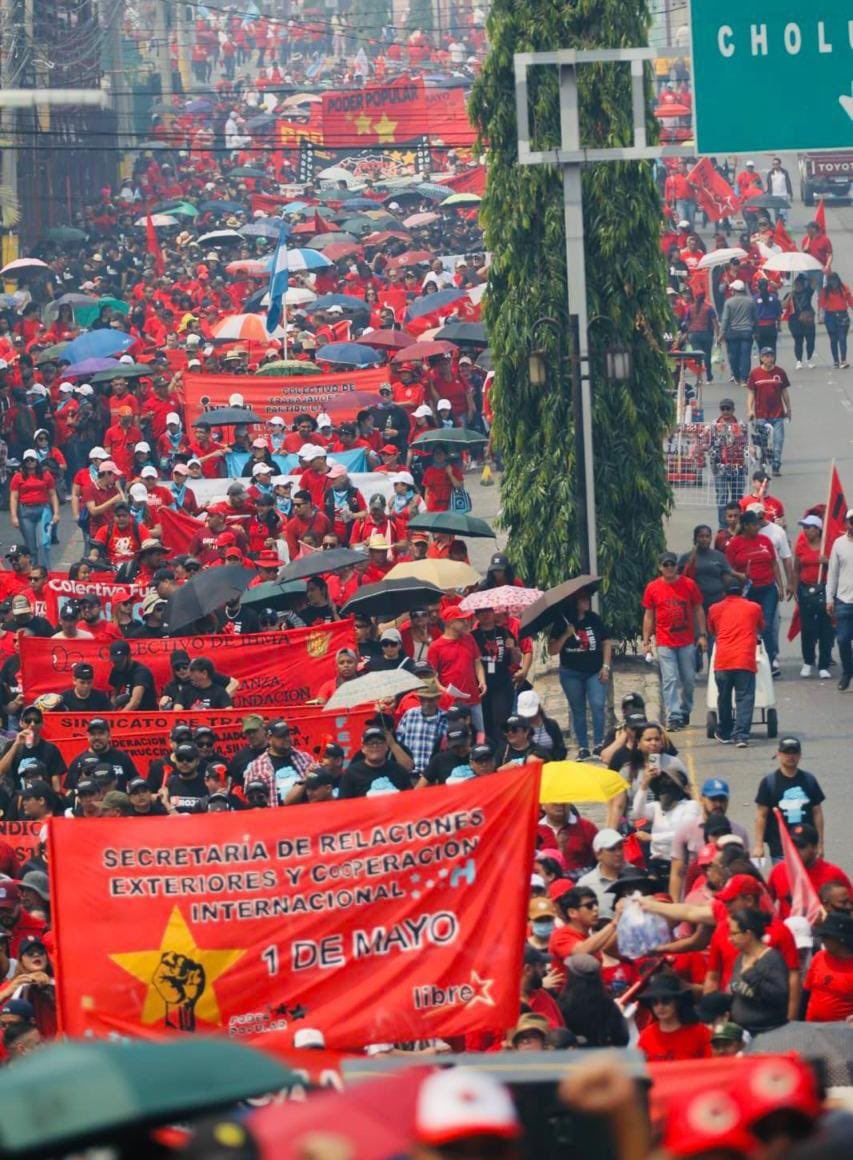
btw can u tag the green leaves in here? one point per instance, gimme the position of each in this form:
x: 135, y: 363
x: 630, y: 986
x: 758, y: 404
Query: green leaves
x: 522, y: 214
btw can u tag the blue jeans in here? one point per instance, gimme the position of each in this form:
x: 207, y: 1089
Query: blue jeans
x: 837, y: 324
x: 678, y: 676
x: 739, y: 347
x: 767, y: 595
x: 580, y: 689
x: 686, y: 209
x: 30, y: 517
x: 741, y: 682
x: 844, y: 635
x: 778, y: 426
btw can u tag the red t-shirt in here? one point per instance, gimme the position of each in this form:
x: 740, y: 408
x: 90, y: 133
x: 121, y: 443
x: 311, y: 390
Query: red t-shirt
x: 771, y: 505
x: 453, y: 661
x: 541, y: 1003
x: 755, y: 556
x: 437, y: 486
x: 691, y: 1042
x: 562, y: 943
x: 31, y: 489
x: 735, y: 623
x: 98, y: 495
x: 574, y: 841
x: 673, y: 606
x: 820, y: 873
x: 829, y: 981
x: 722, y: 953
x: 119, y: 544
x: 767, y: 387
x: 809, y: 558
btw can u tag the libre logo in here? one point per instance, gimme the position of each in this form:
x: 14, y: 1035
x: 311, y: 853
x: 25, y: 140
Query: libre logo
x: 317, y: 644
x: 477, y: 990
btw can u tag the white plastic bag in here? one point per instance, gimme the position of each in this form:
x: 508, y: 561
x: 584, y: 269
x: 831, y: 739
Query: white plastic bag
x: 638, y: 932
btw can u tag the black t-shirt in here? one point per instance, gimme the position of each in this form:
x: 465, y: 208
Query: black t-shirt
x: 583, y: 652
x: 10, y: 677
x: 241, y: 760
x: 510, y: 756
x: 494, y: 646
x: 124, y: 681
x: 121, y: 762
x: 188, y: 795
x: 178, y: 689
x: 213, y: 697
x: 96, y: 702
x: 158, y: 810
x: 358, y: 777
x: 37, y: 625
x: 383, y: 664
x: 796, y: 798
x: 246, y: 621
x: 442, y: 765
x: 42, y: 751
x: 316, y: 614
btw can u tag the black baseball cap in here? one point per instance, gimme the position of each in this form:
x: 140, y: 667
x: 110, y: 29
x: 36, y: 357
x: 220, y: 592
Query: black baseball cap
x: 805, y: 835
x: 181, y: 733
x: 482, y: 753
x: 103, y: 772
x: 634, y: 699
x: 334, y: 750
x: 86, y: 787
x: 373, y: 733
x: 179, y: 657
x: 69, y: 611
x: 36, y: 789
x: 516, y: 722
x: 790, y: 745
x: 187, y: 751
x: 137, y: 784
x: 318, y: 778
x: 455, y: 736
x: 119, y: 648
x: 89, y: 598
x: 279, y: 729
x: 256, y: 787
x: 83, y: 670
x: 667, y: 558
x: 98, y: 723
x: 457, y: 711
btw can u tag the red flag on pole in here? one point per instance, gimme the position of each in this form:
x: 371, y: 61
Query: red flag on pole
x: 820, y: 215
x: 153, y: 246
x: 804, y: 900
x: 782, y: 238
x: 714, y: 195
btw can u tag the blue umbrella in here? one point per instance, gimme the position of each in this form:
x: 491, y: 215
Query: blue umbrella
x: 362, y: 203
x: 295, y: 207
x: 221, y: 207
x: 273, y: 228
x: 306, y: 260
x: 433, y: 302
x: 349, y: 354
x: 200, y: 105
x: 347, y: 302
x: 88, y: 366
x: 97, y: 344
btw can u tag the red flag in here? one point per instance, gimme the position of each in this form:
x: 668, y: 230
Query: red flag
x: 714, y: 195
x: 834, y: 517
x: 269, y: 921
x: 179, y: 529
x: 820, y: 215
x: 782, y: 238
x: 153, y: 245
x: 804, y: 900
x: 320, y: 226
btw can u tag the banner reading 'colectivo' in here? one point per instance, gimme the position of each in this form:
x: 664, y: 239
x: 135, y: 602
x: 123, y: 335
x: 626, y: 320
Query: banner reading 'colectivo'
x: 381, y: 919
x: 273, y: 668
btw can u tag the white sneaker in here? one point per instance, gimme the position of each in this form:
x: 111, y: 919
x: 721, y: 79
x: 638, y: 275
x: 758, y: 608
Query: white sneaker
x: 824, y: 674
x: 811, y: 364
x: 806, y: 671
x: 798, y: 366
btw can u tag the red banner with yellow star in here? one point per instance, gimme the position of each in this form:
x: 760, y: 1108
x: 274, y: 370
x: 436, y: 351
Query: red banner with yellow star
x: 273, y: 668
x: 381, y: 919
x: 374, y: 115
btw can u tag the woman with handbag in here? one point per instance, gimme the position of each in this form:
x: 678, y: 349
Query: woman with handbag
x: 800, y: 315
x: 816, y: 630
x: 441, y: 480
x: 835, y: 299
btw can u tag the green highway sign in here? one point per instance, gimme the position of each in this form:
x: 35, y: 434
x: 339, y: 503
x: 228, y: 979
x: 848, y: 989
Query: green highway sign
x: 772, y: 75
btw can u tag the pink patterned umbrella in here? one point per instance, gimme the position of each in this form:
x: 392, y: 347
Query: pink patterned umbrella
x: 507, y: 598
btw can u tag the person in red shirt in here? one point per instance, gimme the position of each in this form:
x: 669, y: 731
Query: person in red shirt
x: 679, y: 194
x: 306, y: 518
x: 439, y: 480
x: 735, y: 624
x: 563, y: 827
x: 455, y: 657
x: 120, y: 440
x: 817, y: 633
x: 672, y: 1035
x: 819, y: 871
x: 674, y: 615
x: 829, y: 979
x: 752, y: 557
x: 32, y: 495
x: 14, y: 919
x: 818, y: 245
x: 769, y: 401
x: 578, y: 906
x: 211, y: 455
x: 314, y: 478
x: 119, y: 540
x: 759, y: 494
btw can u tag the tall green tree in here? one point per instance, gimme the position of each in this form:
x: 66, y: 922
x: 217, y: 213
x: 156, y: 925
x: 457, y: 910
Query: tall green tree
x: 522, y: 213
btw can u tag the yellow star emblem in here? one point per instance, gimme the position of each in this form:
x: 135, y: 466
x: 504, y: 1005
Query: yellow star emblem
x: 362, y: 124
x: 179, y: 976
x: 384, y: 128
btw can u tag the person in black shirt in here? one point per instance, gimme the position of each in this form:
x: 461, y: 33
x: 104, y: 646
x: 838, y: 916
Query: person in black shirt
x: 518, y: 744
x: 143, y: 801
x: 255, y: 735
x: 180, y: 686
x: 11, y: 690
x: 101, y: 748
x: 29, y: 749
x: 498, y: 652
x: 365, y: 638
x: 242, y: 620
x: 202, y: 692
x: 161, y: 768
x: 392, y: 655
x: 132, y: 683
x: 583, y: 643
x: 381, y: 759
x: 186, y: 787
x: 797, y: 795
x: 454, y: 761
x: 205, y: 743
x: 81, y: 697
x: 23, y: 616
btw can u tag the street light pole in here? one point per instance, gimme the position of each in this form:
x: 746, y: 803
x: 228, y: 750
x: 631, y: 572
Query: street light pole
x: 585, y: 502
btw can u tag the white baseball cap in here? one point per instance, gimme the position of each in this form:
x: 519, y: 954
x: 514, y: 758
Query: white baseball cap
x: 324, y: 420
x: 143, y: 447
x: 262, y: 469
x: 138, y: 491
x: 98, y: 453
x: 173, y: 417
x: 606, y: 839
x: 276, y: 421
x: 85, y: 389
x: 459, y: 1103
x: 800, y: 928
x: 148, y: 473
x: 444, y: 404
x: 737, y: 284
x: 528, y: 703
x: 404, y: 477
x: 811, y: 522
x: 309, y: 1037
x: 422, y: 411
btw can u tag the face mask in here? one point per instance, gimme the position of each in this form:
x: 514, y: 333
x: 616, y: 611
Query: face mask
x: 543, y: 927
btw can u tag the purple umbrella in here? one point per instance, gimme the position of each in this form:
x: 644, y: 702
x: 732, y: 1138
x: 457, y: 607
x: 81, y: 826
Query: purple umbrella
x: 89, y: 366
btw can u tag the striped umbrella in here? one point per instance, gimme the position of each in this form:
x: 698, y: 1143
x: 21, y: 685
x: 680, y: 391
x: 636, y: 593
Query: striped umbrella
x: 243, y: 328
x: 306, y: 260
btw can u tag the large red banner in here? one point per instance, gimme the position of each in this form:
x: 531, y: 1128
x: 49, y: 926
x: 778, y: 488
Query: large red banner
x: 144, y: 736
x: 341, y: 394
x: 380, y: 919
x: 23, y: 837
x: 713, y: 193
x: 274, y: 668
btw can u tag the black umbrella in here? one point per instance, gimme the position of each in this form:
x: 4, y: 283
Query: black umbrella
x: 227, y: 416
x: 205, y: 592
x: 316, y: 563
x: 486, y: 361
x: 392, y: 598
x: 274, y: 595
x: 766, y: 201
x: 454, y: 523
x: 547, y: 609
x: 458, y: 436
x: 462, y: 332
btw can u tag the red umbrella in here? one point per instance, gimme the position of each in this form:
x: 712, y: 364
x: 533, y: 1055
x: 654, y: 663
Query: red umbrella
x: 423, y: 350
x: 380, y: 237
x: 304, y: 228
x: 338, y: 250
x: 410, y: 258
x: 672, y: 110
x: 387, y: 339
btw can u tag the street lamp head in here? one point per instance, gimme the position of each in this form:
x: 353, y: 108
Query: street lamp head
x: 618, y: 364
x: 537, y: 368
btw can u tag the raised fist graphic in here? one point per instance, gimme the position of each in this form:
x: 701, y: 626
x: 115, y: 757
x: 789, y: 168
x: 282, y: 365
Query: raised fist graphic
x: 179, y: 982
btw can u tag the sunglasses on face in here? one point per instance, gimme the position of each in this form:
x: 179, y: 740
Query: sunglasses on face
x: 726, y: 408
x: 668, y: 564
x: 185, y: 760
x: 204, y: 744
x: 588, y: 906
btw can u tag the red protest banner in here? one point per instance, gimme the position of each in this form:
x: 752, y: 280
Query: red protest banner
x: 398, y: 917
x: 144, y: 736
x: 341, y: 394
x: 59, y: 589
x: 713, y: 193
x: 274, y: 668
x: 23, y: 837
x: 375, y: 115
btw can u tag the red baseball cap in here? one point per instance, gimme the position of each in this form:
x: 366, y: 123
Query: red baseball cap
x: 268, y: 559
x: 456, y: 612
x: 738, y: 886
x: 390, y: 449
x: 225, y: 539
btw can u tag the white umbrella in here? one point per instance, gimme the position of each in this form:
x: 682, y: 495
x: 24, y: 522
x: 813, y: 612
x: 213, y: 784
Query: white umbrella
x: 337, y: 173
x: 721, y: 257
x: 218, y: 236
x: 24, y: 264
x: 158, y: 220
x: 367, y: 690
x: 790, y: 261
x: 298, y: 296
